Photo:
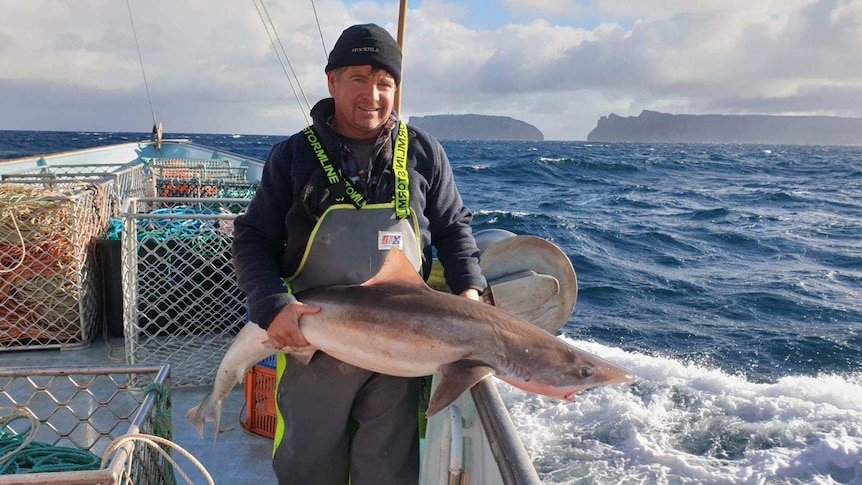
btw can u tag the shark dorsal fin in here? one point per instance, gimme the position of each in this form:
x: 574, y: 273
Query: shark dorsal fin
x: 396, y: 269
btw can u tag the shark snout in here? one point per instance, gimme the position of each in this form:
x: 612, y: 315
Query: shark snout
x: 612, y: 374
x: 618, y: 376
x: 603, y: 374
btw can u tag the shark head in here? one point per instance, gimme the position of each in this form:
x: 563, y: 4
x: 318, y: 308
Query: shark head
x: 564, y: 371
x: 589, y: 371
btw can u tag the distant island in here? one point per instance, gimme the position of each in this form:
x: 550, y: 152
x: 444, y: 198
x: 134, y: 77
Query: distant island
x: 651, y: 126
x: 477, y: 127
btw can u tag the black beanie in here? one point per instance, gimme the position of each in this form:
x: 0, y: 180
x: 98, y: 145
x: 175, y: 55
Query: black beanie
x: 366, y: 44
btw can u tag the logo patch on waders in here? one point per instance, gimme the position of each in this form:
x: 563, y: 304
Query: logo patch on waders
x: 388, y: 240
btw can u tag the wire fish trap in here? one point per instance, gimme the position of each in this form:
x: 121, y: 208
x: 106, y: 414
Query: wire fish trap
x: 125, y: 180
x: 198, y: 169
x: 199, y: 178
x: 180, y: 299
x: 214, y: 189
x: 48, y: 280
x: 86, y: 409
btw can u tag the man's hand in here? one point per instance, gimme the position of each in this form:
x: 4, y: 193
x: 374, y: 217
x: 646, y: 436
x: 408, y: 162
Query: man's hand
x: 284, y: 329
x: 471, y: 293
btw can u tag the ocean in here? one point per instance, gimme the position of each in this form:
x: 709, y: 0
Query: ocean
x: 727, y: 278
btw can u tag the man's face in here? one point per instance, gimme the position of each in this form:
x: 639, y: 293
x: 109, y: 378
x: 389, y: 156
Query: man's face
x: 363, y: 100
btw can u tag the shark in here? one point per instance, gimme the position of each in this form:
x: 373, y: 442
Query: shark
x: 395, y: 324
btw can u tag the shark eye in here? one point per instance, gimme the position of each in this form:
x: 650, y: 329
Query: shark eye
x: 586, y: 371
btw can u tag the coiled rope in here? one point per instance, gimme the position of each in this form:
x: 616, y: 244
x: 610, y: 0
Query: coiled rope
x: 11, y: 203
x: 19, y: 454
x: 154, y: 442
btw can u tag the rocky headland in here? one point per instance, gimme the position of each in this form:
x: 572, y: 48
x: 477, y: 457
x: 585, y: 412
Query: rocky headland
x: 477, y: 127
x: 651, y: 126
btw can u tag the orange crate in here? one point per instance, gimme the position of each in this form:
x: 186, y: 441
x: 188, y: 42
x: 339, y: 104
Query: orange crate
x: 260, y: 400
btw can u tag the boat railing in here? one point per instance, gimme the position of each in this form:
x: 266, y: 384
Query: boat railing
x: 475, y: 442
x: 512, y: 460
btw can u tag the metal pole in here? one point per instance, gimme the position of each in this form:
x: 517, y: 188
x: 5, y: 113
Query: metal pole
x: 506, y: 446
x: 402, y: 22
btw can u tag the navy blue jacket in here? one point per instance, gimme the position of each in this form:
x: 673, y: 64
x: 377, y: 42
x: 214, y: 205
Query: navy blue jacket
x: 270, y: 238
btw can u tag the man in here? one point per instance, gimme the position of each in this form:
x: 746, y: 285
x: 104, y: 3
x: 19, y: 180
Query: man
x: 333, y: 199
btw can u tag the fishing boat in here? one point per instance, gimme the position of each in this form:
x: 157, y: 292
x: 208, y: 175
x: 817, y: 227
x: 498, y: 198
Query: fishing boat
x: 474, y: 439
x: 121, y: 253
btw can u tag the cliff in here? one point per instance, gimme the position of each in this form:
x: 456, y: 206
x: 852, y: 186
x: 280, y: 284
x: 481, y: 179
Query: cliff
x: 651, y: 126
x: 477, y: 127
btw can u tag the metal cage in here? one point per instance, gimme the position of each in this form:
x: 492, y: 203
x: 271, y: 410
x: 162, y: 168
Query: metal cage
x: 87, y: 408
x: 196, y: 169
x: 180, y: 299
x: 49, y: 294
x: 127, y: 180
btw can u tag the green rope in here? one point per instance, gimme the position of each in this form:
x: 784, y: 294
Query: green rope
x: 162, y: 424
x: 36, y: 457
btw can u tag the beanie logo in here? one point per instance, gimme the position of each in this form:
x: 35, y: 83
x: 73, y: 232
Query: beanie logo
x: 364, y: 49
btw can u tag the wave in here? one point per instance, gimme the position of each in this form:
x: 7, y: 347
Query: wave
x: 685, y: 423
x: 553, y: 159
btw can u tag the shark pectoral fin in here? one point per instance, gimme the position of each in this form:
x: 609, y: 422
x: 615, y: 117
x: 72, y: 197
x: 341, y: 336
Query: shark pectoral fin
x: 302, y: 354
x: 456, y: 378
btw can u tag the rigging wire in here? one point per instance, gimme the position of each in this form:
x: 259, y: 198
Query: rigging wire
x: 320, y: 31
x: 307, y: 107
x: 141, y: 61
x: 284, y: 53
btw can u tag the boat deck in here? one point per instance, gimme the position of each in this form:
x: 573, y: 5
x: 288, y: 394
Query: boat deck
x: 169, y: 269
x: 239, y: 457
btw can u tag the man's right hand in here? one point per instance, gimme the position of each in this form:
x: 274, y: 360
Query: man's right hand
x: 284, y: 329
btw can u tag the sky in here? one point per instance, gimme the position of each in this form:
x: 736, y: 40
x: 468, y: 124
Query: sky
x: 560, y: 65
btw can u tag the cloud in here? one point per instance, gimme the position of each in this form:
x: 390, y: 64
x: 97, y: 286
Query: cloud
x: 779, y: 58
x: 215, y: 69
x: 544, y: 8
x: 810, y: 100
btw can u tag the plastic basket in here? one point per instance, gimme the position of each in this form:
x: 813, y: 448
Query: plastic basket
x: 268, y: 362
x: 260, y: 400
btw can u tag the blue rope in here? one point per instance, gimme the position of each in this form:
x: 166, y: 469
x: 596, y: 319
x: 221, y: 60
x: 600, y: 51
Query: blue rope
x: 114, y: 230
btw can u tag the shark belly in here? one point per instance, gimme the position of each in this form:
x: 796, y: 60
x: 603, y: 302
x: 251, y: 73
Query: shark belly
x: 382, y: 348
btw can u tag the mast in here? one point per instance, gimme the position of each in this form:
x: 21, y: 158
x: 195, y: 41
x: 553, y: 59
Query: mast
x: 402, y: 22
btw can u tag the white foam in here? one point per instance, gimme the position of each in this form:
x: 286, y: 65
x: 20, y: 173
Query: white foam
x: 502, y: 213
x: 684, y: 423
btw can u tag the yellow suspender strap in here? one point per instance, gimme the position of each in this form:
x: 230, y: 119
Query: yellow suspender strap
x: 402, y: 181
